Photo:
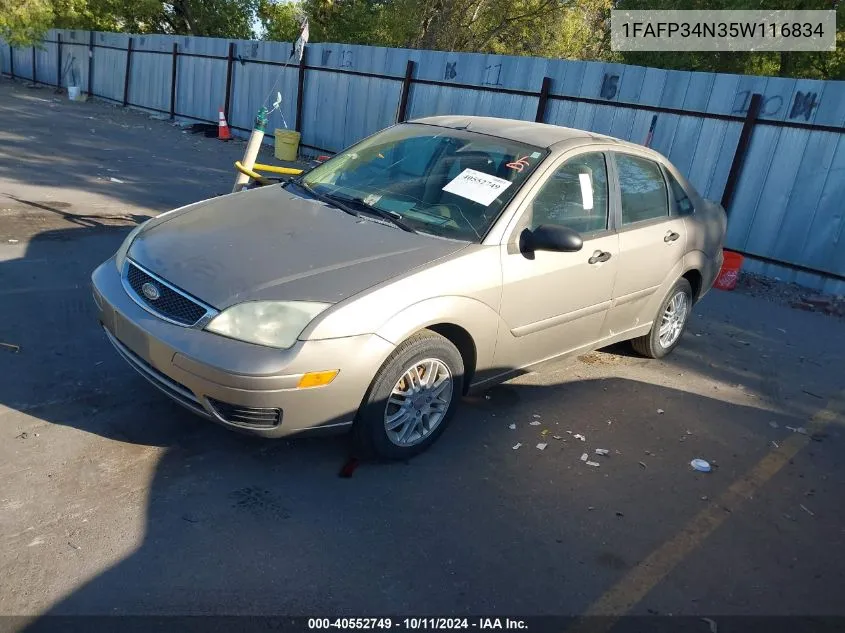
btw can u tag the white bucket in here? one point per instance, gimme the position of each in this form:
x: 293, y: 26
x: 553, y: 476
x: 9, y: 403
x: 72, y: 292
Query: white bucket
x: 73, y: 93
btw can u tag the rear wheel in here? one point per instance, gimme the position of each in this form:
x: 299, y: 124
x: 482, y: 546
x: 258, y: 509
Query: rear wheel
x: 669, y: 324
x: 411, y: 399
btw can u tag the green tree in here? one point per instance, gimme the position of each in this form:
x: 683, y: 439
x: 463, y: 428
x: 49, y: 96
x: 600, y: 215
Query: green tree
x: 24, y: 22
x: 210, y: 18
x: 281, y: 20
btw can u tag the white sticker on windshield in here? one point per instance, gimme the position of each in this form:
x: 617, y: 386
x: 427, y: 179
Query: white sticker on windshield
x: 586, y: 191
x: 477, y: 186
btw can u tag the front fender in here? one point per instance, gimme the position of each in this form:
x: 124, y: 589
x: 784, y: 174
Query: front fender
x: 479, y: 320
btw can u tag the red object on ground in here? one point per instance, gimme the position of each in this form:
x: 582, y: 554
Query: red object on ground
x: 348, y: 468
x: 729, y: 273
x: 323, y: 158
x: 223, y: 132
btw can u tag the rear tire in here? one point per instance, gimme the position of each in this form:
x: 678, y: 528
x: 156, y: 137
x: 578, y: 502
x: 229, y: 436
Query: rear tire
x: 411, y: 399
x: 669, y: 323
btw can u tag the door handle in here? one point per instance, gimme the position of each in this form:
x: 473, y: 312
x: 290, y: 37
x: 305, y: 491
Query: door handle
x: 671, y: 236
x: 599, y: 256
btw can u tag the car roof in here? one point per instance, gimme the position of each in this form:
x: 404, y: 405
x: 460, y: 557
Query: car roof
x: 537, y: 134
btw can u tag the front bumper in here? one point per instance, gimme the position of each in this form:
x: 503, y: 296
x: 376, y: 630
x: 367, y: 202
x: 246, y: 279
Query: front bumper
x: 203, y: 371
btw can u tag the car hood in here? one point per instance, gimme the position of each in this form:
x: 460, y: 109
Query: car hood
x: 268, y: 244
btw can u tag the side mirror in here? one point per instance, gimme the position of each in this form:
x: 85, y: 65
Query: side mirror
x: 550, y: 237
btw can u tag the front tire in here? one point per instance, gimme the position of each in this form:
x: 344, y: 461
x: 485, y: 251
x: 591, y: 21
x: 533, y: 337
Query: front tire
x: 411, y: 399
x: 669, y: 324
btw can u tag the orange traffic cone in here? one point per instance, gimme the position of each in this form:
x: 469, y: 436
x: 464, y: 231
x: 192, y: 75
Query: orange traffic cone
x: 223, y: 132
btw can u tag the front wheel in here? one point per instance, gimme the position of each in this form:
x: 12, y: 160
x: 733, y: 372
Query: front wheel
x: 411, y: 399
x: 669, y: 324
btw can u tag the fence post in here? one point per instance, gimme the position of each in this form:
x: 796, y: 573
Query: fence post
x: 230, y: 62
x: 545, y: 88
x: 173, y: 81
x: 741, y: 150
x: 33, y: 64
x: 300, y: 90
x: 58, y: 60
x: 126, y: 76
x: 90, y: 61
x: 11, y: 61
x: 401, y: 112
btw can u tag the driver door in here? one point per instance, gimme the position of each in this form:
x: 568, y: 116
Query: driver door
x: 556, y: 302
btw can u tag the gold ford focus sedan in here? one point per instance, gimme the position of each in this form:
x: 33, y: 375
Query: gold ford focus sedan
x: 434, y: 258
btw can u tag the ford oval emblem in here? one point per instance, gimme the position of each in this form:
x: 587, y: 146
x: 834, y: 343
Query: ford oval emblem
x: 150, y: 291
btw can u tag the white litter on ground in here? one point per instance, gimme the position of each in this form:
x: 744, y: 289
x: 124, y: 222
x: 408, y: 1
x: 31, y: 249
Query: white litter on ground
x: 585, y: 457
x: 799, y: 429
x: 660, y: 412
x: 534, y: 423
x: 602, y: 451
x: 594, y: 464
x: 700, y: 465
x: 512, y: 427
x: 541, y: 446
x: 578, y: 436
x: 516, y: 446
x: 117, y: 180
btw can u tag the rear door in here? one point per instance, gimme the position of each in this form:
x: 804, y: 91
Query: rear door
x: 652, y: 241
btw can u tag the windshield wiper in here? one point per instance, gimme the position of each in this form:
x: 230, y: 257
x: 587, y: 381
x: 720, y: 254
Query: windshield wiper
x: 330, y: 200
x: 391, y: 216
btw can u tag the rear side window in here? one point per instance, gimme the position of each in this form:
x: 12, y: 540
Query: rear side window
x: 681, y: 203
x: 644, y: 194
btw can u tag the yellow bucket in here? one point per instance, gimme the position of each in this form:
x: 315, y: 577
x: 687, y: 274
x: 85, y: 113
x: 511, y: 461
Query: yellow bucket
x: 287, y: 144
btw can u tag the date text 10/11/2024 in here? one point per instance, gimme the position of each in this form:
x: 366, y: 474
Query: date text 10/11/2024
x: 428, y: 623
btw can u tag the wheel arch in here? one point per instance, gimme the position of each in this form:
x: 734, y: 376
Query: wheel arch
x: 469, y: 324
x: 696, y: 280
x: 463, y: 340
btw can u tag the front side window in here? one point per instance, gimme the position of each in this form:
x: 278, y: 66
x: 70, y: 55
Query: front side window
x: 451, y: 183
x: 575, y: 195
x: 644, y: 195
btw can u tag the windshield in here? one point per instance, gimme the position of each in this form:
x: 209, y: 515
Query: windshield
x: 451, y: 183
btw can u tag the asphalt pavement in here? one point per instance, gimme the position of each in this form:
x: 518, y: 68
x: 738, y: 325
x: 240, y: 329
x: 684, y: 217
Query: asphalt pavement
x: 113, y: 500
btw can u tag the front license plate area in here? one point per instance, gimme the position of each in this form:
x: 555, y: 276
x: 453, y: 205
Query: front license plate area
x: 130, y: 335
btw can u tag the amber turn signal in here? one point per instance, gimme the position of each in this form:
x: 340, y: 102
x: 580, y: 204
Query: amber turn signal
x: 317, y: 378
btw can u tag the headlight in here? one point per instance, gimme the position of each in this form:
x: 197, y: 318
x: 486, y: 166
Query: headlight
x: 120, y: 256
x: 270, y: 323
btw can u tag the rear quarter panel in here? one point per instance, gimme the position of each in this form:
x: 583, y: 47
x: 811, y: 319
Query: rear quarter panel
x: 705, y: 238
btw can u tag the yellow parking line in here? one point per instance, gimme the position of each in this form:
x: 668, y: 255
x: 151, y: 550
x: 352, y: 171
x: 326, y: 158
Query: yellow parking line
x: 637, y: 583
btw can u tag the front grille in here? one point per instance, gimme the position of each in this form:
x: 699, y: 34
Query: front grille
x: 170, y: 303
x: 247, y: 416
